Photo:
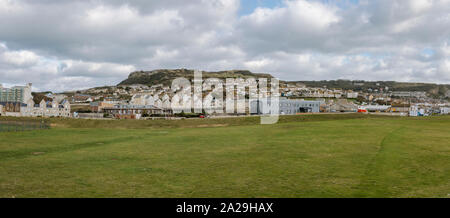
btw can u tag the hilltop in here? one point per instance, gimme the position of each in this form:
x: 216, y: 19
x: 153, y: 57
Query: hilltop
x: 165, y: 76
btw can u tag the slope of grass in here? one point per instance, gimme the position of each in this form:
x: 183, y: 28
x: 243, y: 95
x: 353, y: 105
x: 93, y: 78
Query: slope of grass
x: 353, y: 157
x: 185, y: 123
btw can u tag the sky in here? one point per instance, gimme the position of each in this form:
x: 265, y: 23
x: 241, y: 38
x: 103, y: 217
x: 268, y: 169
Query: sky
x: 61, y: 45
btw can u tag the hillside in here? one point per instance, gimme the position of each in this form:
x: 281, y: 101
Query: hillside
x: 165, y: 76
x: 435, y: 90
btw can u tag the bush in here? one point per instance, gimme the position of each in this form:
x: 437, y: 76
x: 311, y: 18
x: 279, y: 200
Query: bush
x: 187, y: 115
x: 157, y: 115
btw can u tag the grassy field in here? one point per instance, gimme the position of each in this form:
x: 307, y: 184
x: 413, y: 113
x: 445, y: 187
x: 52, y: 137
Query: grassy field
x: 301, y: 156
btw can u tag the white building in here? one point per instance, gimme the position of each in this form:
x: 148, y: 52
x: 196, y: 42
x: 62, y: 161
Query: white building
x: 46, y: 109
x: 445, y: 110
x: 352, y: 95
x: 377, y: 107
x: 414, y: 111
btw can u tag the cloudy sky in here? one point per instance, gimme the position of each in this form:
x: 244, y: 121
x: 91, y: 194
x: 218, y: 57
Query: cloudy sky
x: 65, y: 45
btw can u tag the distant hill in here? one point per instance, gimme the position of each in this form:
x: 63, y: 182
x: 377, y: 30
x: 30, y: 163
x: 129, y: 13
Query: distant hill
x: 165, y: 76
x: 435, y: 90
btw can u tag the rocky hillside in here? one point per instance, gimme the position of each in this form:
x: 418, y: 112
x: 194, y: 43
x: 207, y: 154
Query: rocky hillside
x: 165, y: 76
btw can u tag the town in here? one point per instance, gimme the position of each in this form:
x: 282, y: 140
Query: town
x: 138, y: 101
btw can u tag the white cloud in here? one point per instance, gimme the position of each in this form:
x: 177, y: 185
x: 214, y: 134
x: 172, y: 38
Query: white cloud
x: 73, y: 44
x: 89, y: 69
x: 418, y: 6
x: 20, y: 67
x: 19, y: 58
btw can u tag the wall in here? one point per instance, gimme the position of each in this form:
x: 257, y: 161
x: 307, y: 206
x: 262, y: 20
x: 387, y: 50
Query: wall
x: 90, y: 115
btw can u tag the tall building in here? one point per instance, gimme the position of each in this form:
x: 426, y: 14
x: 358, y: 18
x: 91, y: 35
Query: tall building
x: 20, y: 94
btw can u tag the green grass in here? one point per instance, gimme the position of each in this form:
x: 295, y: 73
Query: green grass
x: 302, y: 156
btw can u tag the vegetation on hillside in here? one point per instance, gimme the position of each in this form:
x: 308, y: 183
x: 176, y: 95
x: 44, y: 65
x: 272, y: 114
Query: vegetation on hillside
x: 435, y: 90
x: 39, y: 96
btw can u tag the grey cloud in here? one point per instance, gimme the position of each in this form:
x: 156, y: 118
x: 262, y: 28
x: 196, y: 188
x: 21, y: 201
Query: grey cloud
x: 18, y: 67
x: 96, y: 42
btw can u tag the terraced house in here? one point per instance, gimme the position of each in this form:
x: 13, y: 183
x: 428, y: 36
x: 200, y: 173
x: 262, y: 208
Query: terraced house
x: 18, y: 102
x: 43, y: 109
x: 46, y: 109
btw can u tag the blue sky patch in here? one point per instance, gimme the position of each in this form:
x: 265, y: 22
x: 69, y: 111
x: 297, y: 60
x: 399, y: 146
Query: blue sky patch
x: 248, y: 6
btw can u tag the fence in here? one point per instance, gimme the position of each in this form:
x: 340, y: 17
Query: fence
x: 22, y: 125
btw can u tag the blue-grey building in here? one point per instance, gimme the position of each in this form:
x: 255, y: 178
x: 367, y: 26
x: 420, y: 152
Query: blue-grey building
x: 286, y: 106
